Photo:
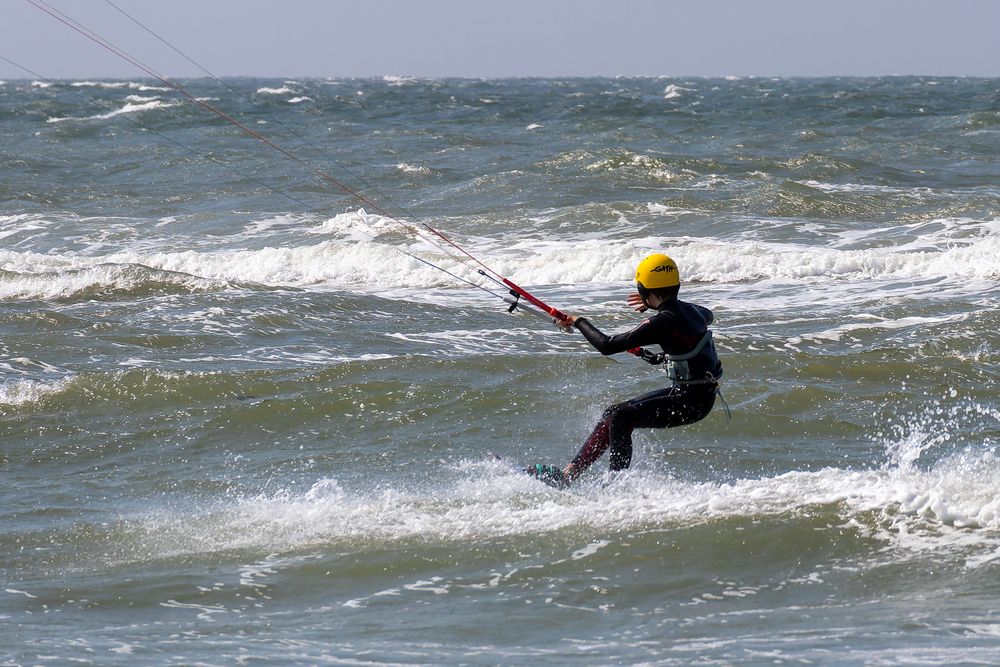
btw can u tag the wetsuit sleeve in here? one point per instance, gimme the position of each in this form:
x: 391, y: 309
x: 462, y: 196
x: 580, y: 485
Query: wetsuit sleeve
x: 644, y: 334
x: 707, y: 314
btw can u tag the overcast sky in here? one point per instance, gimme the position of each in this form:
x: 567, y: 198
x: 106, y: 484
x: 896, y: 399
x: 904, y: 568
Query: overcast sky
x: 505, y: 38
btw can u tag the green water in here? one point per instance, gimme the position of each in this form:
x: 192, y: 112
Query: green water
x: 238, y: 425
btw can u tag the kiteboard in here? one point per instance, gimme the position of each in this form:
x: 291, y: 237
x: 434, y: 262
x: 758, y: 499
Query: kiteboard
x: 547, y: 474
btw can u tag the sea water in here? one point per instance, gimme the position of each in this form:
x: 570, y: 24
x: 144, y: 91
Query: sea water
x: 243, y: 420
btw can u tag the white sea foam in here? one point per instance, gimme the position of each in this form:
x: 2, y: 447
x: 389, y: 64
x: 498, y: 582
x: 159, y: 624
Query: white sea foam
x: 15, y: 591
x: 873, y: 322
x: 284, y: 90
x: 657, y: 208
x: 266, y: 226
x: 412, y: 169
x: 41, y: 84
x: 26, y: 227
x: 643, y: 163
x: 393, y: 80
x: 356, y: 260
x: 299, y: 100
x: 729, y: 262
x: 369, y: 225
x: 716, y: 261
x: 673, y: 91
x: 4, y: 219
x: 114, y: 85
x: 100, y: 84
x: 130, y: 107
x: 918, y: 510
x: 22, y: 392
x: 63, y: 278
x: 332, y: 264
x: 862, y: 187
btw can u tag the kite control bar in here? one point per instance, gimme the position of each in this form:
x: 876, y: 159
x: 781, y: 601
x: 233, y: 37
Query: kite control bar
x: 560, y: 316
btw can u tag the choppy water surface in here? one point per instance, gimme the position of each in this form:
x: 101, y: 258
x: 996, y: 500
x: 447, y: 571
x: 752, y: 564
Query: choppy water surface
x: 238, y: 425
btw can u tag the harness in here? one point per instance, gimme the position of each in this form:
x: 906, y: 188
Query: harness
x: 677, y: 364
x: 680, y: 373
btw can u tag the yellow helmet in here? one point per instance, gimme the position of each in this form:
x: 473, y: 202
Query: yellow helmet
x: 657, y: 271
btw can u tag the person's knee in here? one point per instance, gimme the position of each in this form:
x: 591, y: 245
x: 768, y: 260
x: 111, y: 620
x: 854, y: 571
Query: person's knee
x: 610, y: 412
x: 621, y: 415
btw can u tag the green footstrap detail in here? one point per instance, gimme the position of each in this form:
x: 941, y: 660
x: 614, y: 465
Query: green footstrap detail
x: 551, y: 475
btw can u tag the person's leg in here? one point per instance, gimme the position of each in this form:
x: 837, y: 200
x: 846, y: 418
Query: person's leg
x: 595, y: 445
x: 664, y: 408
x: 615, y: 426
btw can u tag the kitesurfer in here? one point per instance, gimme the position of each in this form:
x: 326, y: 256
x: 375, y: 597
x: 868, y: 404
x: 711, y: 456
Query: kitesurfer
x: 681, y: 330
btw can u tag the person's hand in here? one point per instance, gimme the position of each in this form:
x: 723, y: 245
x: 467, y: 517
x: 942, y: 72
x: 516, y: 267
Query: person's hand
x: 565, y: 324
x: 635, y: 302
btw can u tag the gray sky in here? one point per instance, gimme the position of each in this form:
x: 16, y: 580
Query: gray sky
x: 503, y: 38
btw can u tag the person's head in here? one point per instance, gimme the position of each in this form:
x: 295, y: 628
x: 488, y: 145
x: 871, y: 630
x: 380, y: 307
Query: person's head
x: 657, y: 280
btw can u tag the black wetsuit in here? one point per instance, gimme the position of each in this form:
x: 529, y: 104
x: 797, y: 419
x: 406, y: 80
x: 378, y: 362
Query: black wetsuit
x: 677, y: 328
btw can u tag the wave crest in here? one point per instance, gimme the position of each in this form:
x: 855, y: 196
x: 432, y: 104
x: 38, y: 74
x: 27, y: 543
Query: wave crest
x: 103, y: 281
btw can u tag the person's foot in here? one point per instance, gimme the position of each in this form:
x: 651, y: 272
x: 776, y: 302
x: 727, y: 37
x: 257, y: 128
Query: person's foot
x: 551, y: 475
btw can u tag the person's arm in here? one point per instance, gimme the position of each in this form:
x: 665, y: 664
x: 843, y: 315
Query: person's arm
x: 644, y: 334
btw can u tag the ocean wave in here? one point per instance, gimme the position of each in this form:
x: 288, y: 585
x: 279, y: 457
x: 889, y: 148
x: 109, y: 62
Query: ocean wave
x: 99, y: 280
x: 115, y: 85
x: 394, y: 80
x: 17, y: 217
x: 22, y: 392
x: 358, y: 259
x: 369, y: 225
x: 722, y: 261
x: 673, y: 91
x: 635, y: 164
x: 862, y: 187
x: 629, y: 165
x: 111, y: 85
x: 284, y: 90
x: 982, y: 119
x: 130, y: 107
x: 810, y: 198
x: 412, y: 169
x: 729, y: 262
x: 486, y: 500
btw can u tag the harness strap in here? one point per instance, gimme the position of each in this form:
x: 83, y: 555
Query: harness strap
x: 710, y: 380
x: 729, y: 414
x: 693, y: 353
x: 661, y: 358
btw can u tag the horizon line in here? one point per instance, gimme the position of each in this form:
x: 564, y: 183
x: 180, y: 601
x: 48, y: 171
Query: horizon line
x: 511, y: 77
